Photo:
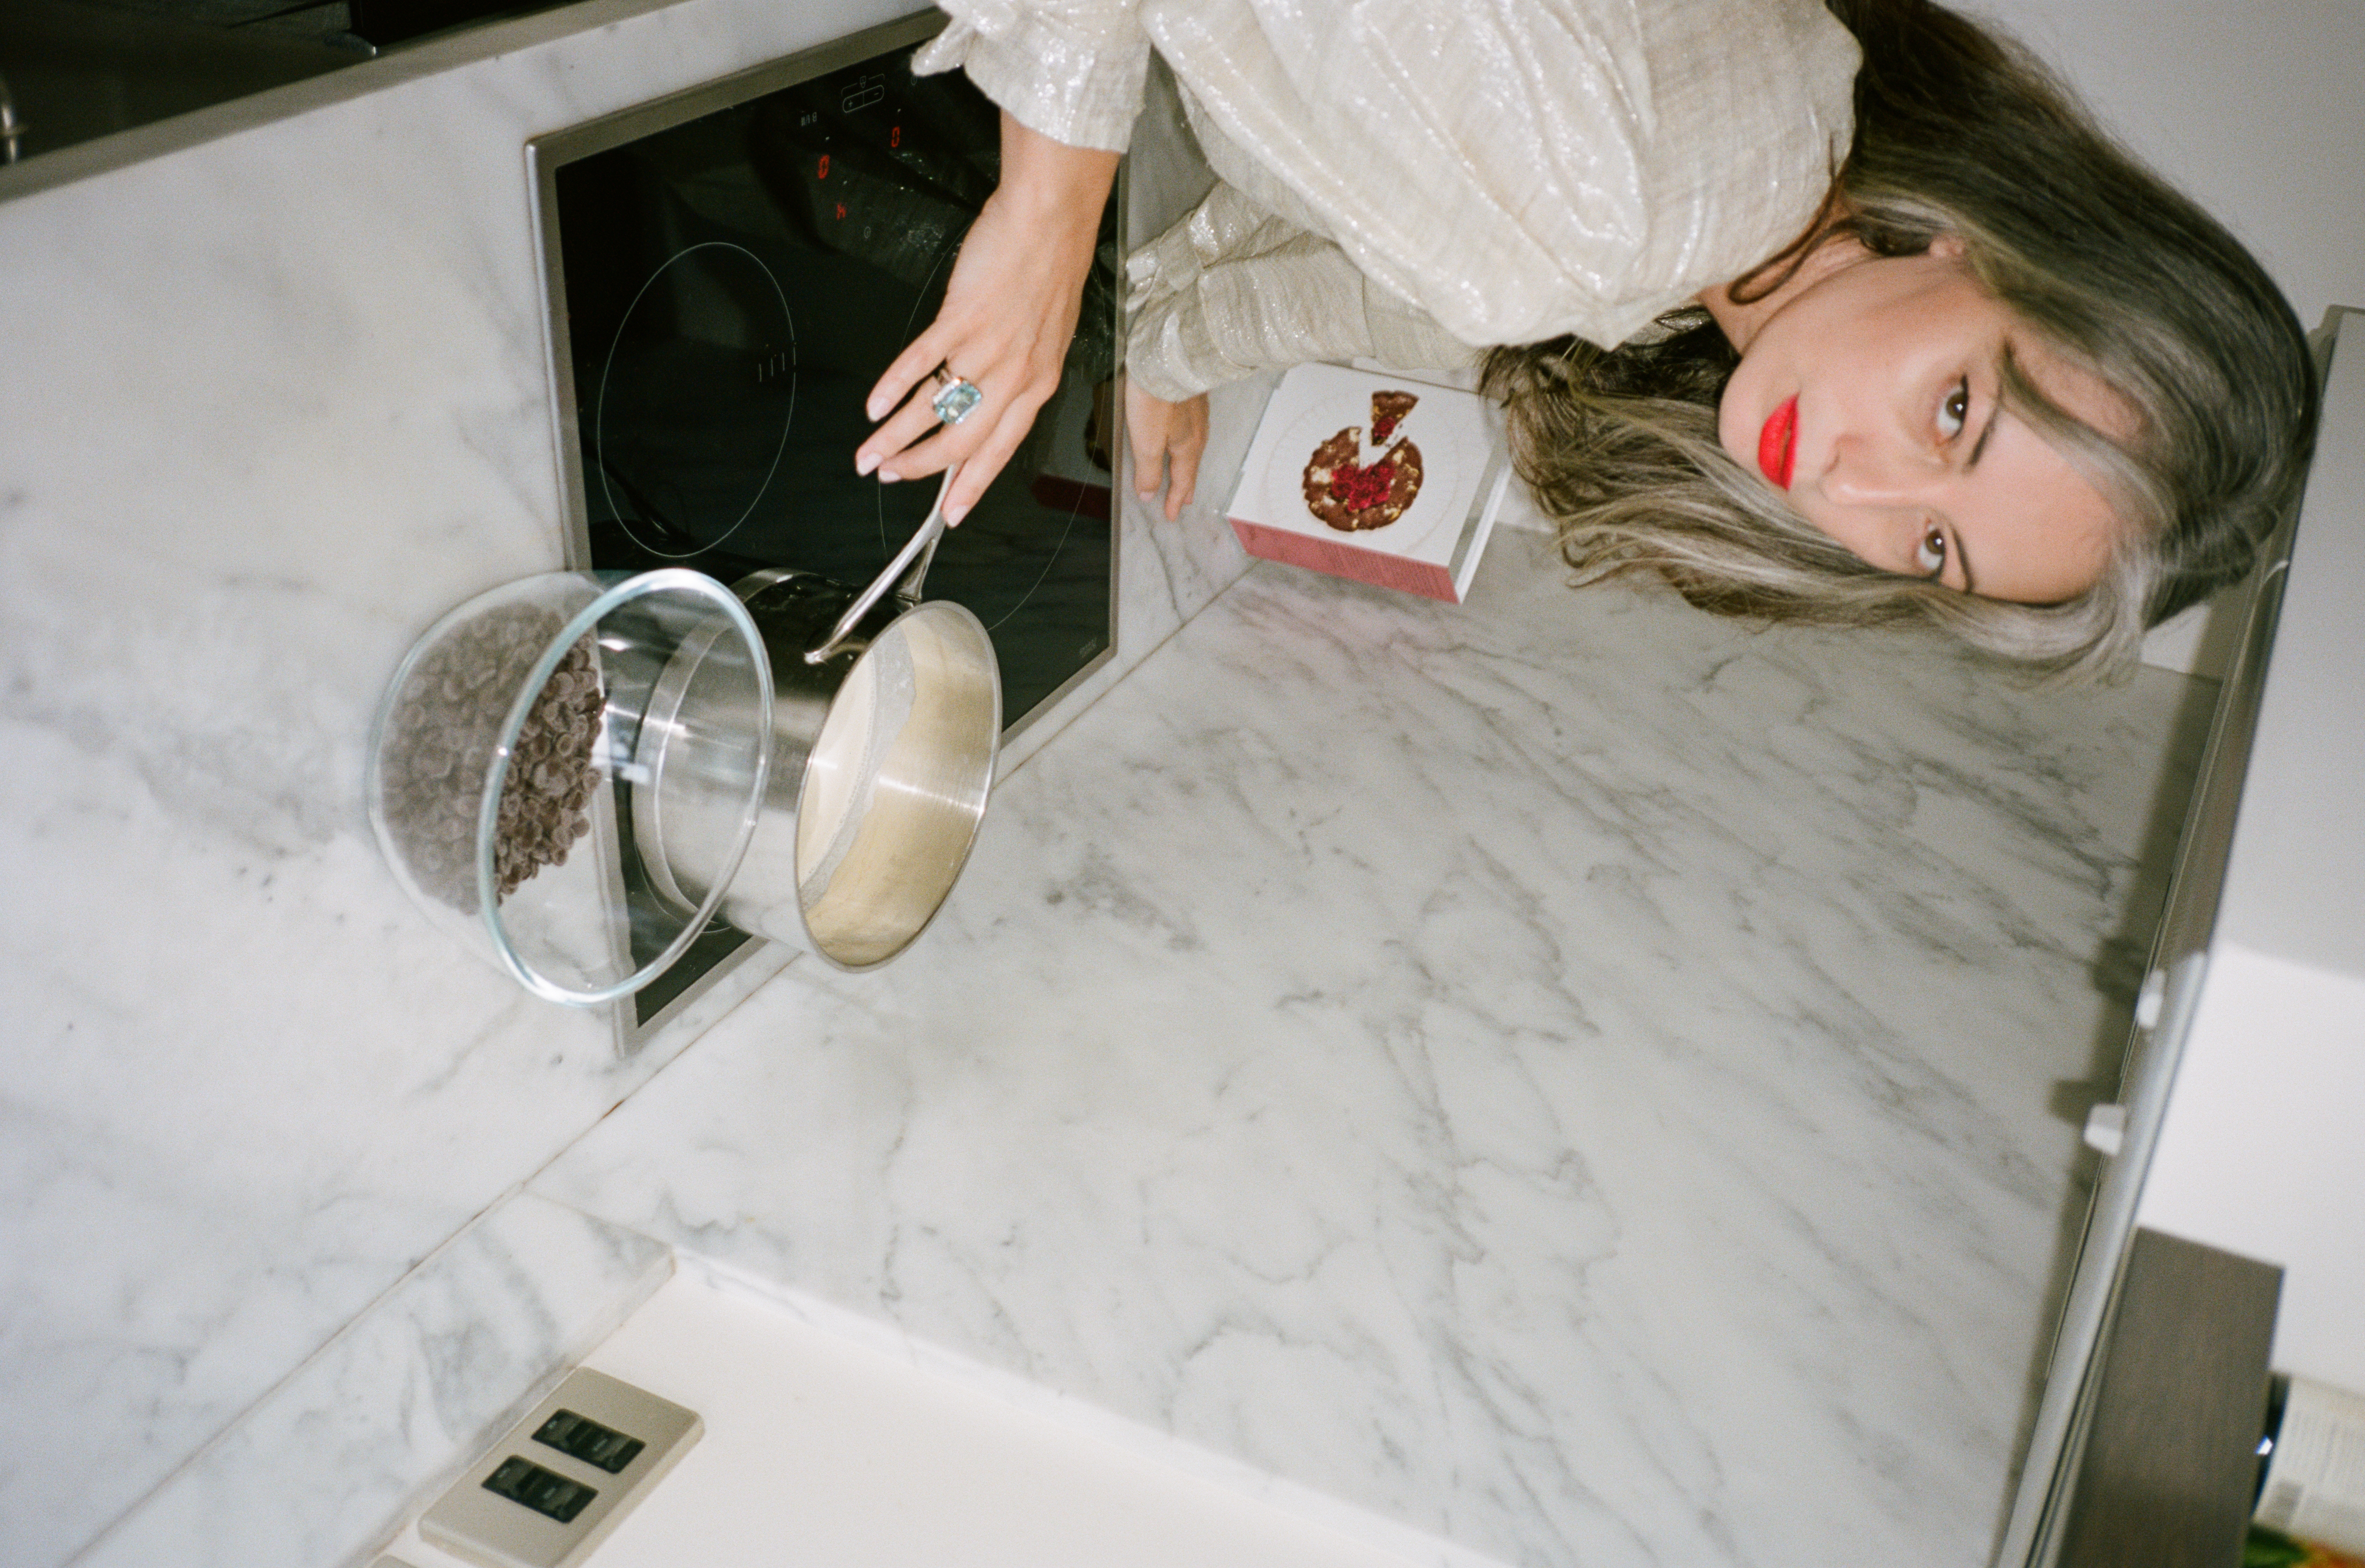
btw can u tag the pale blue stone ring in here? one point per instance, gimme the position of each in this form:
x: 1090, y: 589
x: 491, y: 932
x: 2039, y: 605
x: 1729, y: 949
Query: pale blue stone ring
x: 957, y: 398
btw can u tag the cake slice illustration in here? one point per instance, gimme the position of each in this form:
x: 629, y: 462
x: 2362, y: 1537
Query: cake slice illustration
x: 1388, y: 409
x: 1353, y: 496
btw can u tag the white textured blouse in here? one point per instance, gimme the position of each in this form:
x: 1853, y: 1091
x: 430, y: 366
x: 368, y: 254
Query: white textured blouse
x: 1415, y: 179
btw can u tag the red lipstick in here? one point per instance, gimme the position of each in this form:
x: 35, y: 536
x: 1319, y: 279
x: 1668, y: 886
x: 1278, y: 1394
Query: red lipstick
x: 1777, y: 443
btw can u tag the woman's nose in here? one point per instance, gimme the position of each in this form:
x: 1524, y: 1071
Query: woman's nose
x: 1866, y: 471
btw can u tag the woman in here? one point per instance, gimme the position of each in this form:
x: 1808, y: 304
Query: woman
x: 1995, y: 375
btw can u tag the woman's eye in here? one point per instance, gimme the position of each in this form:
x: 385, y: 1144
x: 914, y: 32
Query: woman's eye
x: 1956, y: 411
x: 1931, y: 555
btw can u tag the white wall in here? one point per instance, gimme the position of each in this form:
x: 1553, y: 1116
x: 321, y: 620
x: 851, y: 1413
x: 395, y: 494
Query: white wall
x: 2257, y: 107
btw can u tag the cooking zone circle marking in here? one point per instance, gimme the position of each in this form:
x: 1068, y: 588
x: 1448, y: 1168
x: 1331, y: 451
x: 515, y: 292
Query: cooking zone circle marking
x: 710, y: 313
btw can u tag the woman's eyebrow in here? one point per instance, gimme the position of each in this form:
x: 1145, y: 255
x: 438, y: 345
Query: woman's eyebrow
x: 2007, y: 371
x: 1995, y: 412
x: 1970, y: 583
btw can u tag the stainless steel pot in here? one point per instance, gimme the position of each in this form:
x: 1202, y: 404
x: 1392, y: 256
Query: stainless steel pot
x: 886, y: 722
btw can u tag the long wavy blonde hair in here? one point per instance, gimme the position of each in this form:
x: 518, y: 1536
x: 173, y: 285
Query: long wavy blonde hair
x: 1958, y: 132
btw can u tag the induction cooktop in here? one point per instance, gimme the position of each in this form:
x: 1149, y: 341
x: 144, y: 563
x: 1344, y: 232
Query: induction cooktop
x: 728, y: 271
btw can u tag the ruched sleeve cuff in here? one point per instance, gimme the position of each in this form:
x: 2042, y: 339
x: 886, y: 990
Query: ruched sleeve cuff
x: 1070, y: 69
x: 1231, y: 290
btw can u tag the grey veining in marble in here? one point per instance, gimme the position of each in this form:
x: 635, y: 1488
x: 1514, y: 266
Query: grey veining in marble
x: 325, y: 1465
x: 1567, y: 1076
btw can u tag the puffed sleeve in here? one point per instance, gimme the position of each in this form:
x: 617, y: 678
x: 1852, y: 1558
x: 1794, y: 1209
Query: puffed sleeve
x: 1519, y: 169
x: 1070, y: 69
x: 1233, y: 289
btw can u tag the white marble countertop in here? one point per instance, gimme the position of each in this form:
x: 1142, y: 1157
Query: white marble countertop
x: 1564, y: 1077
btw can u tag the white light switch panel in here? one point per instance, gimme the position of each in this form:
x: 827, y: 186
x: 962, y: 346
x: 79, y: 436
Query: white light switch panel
x: 553, y: 1488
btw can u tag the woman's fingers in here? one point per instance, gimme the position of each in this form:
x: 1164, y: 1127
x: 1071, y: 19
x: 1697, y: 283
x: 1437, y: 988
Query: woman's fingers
x: 890, y: 448
x: 1015, y: 364
x: 983, y: 444
x: 908, y: 389
x: 1186, y: 442
x: 1167, y: 440
x: 1145, y: 438
x: 1183, y: 478
x: 921, y: 355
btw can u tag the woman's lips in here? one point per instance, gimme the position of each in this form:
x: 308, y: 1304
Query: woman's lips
x: 1777, y: 443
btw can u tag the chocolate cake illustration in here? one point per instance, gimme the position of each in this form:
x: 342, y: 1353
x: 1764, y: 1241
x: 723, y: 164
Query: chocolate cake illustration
x: 1354, y: 496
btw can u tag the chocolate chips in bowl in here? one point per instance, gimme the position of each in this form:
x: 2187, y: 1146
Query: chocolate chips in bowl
x: 509, y: 731
x: 439, y: 738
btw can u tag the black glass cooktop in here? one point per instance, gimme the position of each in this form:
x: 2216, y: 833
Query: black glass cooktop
x: 730, y: 271
x: 736, y: 282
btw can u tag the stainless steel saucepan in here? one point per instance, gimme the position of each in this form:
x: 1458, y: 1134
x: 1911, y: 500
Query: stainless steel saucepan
x: 886, y: 721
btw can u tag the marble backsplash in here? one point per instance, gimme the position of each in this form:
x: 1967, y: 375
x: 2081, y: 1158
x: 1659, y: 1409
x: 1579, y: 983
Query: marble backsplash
x: 273, y: 402
x: 399, y: 1400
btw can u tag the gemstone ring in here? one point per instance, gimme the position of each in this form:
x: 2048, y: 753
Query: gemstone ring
x: 956, y: 398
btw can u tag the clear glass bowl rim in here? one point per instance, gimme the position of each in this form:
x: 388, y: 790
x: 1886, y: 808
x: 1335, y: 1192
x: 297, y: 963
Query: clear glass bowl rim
x: 667, y: 579
x: 606, y: 599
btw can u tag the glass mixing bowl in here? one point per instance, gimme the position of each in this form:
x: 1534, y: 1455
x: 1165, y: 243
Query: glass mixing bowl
x: 510, y: 744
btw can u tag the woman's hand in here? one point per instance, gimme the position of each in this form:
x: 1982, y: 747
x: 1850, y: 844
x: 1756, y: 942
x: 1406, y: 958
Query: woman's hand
x: 1010, y: 309
x: 1167, y: 440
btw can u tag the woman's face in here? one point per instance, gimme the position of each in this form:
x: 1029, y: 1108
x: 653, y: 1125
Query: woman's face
x: 1870, y: 397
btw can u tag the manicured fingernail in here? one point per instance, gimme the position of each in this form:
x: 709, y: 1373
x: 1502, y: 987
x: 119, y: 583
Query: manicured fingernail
x: 887, y: 477
x: 955, y: 512
x: 876, y: 410
x: 866, y: 462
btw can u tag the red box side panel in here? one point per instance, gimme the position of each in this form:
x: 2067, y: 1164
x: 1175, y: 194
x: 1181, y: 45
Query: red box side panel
x: 1341, y: 560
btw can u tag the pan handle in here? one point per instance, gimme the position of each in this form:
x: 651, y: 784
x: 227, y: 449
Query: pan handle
x: 917, y: 554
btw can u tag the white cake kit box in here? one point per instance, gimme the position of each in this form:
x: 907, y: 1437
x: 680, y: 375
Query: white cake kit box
x: 1385, y: 479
